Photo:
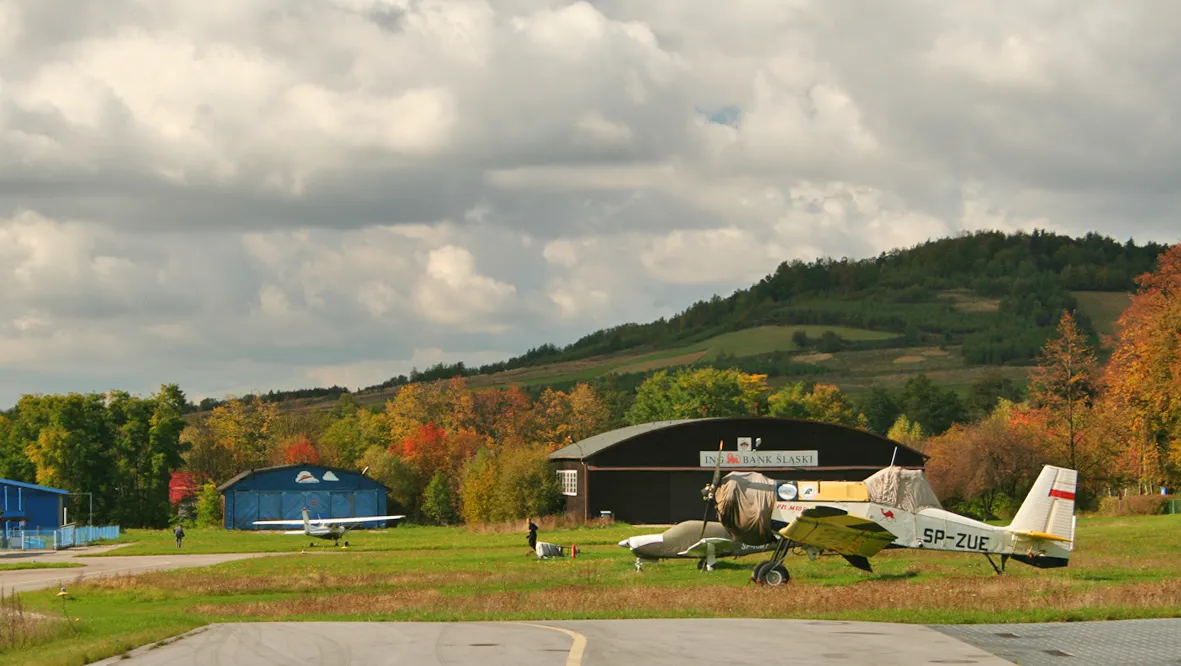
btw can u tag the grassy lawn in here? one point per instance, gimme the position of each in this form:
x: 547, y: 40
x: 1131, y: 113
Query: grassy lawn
x: 1103, y: 307
x: 14, y: 566
x: 1123, y: 568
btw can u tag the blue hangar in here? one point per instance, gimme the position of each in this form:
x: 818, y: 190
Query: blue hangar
x: 34, y: 506
x: 281, y: 493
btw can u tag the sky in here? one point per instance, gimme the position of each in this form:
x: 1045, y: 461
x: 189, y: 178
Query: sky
x: 278, y: 194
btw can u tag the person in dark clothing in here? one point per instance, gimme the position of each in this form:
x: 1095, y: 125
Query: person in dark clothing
x: 180, y: 534
x: 532, y: 535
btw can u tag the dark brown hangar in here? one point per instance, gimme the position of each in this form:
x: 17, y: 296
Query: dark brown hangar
x: 654, y: 472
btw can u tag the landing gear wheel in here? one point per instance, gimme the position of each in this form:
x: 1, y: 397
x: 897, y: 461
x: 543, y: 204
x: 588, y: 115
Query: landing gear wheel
x: 760, y: 569
x: 776, y: 575
x: 312, y: 544
x: 346, y: 543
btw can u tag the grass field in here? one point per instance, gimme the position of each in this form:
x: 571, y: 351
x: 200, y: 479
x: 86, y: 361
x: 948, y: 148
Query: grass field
x: 1122, y: 568
x: 1103, y: 307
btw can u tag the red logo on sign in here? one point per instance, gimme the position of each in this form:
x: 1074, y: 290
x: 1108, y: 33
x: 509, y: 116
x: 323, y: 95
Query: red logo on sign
x: 733, y: 459
x: 887, y: 514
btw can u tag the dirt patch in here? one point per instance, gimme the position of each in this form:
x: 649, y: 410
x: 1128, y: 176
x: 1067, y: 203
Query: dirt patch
x: 910, y: 359
x: 658, y: 363
x: 813, y: 358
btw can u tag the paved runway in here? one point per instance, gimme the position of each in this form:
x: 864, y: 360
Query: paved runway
x: 23, y: 580
x: 574, y: 643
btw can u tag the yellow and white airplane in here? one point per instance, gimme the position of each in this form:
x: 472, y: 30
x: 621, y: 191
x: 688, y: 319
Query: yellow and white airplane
x: 893, y: 508
x: 326, y: 528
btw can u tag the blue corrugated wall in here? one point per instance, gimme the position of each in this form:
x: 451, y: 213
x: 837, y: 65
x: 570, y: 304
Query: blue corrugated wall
x: 276, y: 495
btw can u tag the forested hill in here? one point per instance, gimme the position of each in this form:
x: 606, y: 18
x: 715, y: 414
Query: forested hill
x: 1032, y: 275
x: 995, y: 296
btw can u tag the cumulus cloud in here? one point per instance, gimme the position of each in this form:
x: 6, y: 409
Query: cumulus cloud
x: 241, y: 196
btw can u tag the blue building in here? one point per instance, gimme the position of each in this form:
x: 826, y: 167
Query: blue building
x: 281, y: 493
x: 34, y: 506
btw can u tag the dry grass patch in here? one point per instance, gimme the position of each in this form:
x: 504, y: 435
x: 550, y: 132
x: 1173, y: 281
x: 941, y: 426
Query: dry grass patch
x: 813, y: 358
x: 330, y: 603
x: 910, y: 359
x: 544, y: 524
x: 996, y: 594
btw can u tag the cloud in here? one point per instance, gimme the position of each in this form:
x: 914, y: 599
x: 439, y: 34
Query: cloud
x: 244, y: 196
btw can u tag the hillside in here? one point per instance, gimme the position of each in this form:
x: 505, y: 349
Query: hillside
x: 954, y: 308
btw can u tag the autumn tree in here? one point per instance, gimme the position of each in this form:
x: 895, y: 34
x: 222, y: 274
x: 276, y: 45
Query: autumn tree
x: 990, y: 462
x: 697, y: 393
x: 247, y: 429
x: 570, y: 417
x: 504, y: 416
x: 206, y: 457
x: 299, y: 449
x: 906, y: 432
x: 1141, y: 384
x: 1061, y: 388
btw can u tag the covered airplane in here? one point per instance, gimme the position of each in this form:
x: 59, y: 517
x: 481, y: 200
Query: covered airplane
x: 326, y: 528
x: 893, y: 508
x: 688, y: 540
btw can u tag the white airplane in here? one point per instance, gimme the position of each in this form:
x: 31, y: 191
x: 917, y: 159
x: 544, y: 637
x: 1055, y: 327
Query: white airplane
x: 325, y: 528
x: 893, y: 508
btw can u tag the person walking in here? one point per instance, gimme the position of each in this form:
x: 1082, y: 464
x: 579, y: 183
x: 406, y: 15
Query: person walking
x: 180, y: 534
x: 532, y: 535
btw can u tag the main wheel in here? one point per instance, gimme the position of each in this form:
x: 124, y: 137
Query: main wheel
x: 760, y: 569
x: 346, y: 543
x: 776, y: 575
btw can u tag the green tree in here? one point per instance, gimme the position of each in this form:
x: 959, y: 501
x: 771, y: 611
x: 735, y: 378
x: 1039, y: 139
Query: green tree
x: 403, y: 481
x: 209, y: 509
x: 437, y: 501
x: 881, y: 409
x: 934, y: 408
x: 697, y: 393
x: 985, y: 393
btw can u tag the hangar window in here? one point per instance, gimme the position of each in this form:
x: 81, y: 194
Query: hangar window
x: 569, y: 481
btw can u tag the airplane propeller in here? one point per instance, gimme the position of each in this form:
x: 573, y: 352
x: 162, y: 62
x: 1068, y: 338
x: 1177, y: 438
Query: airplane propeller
x: 709, y: 490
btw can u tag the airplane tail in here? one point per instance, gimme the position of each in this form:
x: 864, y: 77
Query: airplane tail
x: 1045, y: 522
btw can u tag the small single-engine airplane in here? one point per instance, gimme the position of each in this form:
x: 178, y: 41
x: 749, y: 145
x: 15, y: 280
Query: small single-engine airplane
x: 326, y: 528
x: 893, y: 508
x: 684, y: 540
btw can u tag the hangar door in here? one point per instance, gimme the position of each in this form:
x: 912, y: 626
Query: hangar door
x: 252, y: 505
x: 648, y: 496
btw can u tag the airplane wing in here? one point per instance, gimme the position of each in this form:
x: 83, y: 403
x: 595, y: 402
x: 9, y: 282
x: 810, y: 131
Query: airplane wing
x: 345, y: 521
x: 722, y: 547
x: 834, y: 529
x: 328, y: 521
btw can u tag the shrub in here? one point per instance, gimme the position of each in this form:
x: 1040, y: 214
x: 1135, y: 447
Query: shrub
x: 1133, y: 505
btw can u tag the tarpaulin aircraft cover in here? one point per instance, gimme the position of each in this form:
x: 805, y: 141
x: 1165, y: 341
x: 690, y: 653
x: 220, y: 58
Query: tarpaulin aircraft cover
x: 745, y: 501
x: 904, y: 488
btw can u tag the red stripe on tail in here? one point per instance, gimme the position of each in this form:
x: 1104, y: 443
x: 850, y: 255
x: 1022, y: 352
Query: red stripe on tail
x: 1064, y: 494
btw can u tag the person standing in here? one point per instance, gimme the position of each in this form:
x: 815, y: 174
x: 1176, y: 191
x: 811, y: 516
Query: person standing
x: 532, y: 535
x: 180, y: 534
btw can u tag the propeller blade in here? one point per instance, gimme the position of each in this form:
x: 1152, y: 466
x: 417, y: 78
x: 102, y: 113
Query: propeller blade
x: 713, y: 484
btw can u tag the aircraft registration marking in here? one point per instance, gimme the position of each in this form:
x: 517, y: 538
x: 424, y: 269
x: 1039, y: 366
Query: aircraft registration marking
x: 959, y: 541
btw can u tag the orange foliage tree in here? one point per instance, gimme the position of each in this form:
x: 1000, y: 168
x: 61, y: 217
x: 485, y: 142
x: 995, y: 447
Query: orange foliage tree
x: 299, y: 449
x: 993, y: 458
x: 1142, y: 381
